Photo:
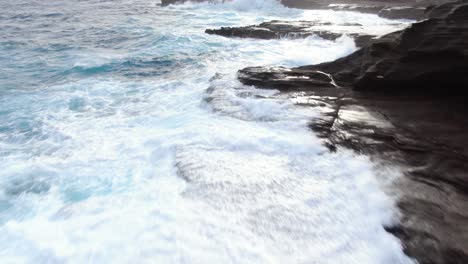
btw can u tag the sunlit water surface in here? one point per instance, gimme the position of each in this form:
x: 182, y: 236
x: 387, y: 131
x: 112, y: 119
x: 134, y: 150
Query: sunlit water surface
x: 126, y: 138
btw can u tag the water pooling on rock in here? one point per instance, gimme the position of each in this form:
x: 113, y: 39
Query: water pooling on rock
x: 125, y: 136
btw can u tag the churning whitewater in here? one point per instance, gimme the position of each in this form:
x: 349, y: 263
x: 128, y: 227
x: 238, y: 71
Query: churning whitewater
x: 126, y: 138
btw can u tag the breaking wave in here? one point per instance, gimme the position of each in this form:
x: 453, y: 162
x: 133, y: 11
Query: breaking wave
x: 128, y: 138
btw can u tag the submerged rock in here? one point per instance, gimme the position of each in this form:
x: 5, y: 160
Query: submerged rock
x: 170, y: 2
x: 284, y: 79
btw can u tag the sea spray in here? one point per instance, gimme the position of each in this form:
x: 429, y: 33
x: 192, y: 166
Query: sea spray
x: 125, y: 136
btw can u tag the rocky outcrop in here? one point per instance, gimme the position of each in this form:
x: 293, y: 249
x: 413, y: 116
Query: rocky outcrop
x: 426, y: 140
x: 277, y: 29
x: 407, y: 110
x: 444, y: 10
x: 430, y: 56
x: 397, y: 9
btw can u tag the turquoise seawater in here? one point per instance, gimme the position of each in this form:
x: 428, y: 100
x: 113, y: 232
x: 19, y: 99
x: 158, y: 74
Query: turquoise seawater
x: 126, y: 138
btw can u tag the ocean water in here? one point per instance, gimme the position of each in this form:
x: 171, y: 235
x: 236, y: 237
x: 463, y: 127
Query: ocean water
x: 126, y: 138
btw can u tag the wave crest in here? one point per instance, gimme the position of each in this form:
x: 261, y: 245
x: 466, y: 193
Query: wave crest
x: 244, y: 5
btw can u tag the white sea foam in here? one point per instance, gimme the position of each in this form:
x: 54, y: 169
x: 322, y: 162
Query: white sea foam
x: 164, y: 180
x: 183, y: 166
x: 244, y: 5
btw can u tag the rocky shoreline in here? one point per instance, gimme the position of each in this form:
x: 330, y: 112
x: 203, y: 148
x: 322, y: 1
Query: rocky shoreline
x: 424, y: 57
x: 399, y: 99
x: 397, y: 9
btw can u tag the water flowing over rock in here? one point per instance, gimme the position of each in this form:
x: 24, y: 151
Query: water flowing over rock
x: 285, y: 79
x: 398, y: 9
x: 290, y: 29
x: 429, y: 56
x: 126, y: 137
x: 412, y: 9
x: 407, y: 108
x: 426, y: 140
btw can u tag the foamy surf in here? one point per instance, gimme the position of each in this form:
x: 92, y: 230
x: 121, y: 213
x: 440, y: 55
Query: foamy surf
x: 243, y: 5
x: 145, y: 148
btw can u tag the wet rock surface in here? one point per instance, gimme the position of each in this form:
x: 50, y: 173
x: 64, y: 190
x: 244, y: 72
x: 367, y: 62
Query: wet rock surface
x: 401, y: 101
x: 284, y: 79
x: 277, y: 29
x: 430, y: 57
x: 426, y: 140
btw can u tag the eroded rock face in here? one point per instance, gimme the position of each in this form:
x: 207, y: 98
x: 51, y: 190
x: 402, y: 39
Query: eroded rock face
x: 277, y: 29
x: 443, y: 10
x: 429, y: 57
x: 396, y: 115
x: 427, y: 141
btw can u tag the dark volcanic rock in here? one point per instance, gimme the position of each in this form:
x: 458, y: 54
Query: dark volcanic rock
x: 430, y: 57
x: 396, y: 9
x: 273, y: 30
x: 244, y: 32
x: 288, y: 29
x: 444, y: 10
x: 427, y: 141
x: 284, y: 79
x: 402, y: 123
